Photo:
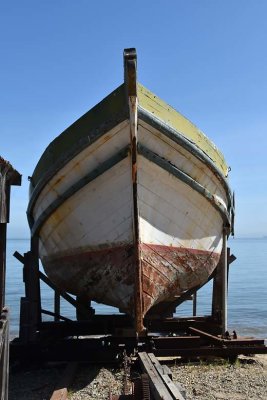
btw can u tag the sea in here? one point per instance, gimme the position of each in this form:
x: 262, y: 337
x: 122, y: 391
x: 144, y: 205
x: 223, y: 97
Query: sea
x: 247, y: 296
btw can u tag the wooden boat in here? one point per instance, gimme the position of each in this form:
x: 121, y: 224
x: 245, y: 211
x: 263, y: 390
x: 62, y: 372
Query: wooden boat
x: 130, y: 203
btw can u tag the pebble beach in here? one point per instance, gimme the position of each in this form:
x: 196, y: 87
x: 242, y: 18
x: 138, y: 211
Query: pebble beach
x: 212, y: 380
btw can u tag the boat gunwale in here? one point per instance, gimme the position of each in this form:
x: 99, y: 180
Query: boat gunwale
x: 188, y: 145
x: 101, y: 130
x: 111, y: 120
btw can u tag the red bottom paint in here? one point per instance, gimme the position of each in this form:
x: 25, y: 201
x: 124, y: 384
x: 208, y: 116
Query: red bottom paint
x: 108, y: 275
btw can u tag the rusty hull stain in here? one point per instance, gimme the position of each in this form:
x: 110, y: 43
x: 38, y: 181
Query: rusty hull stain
x: 104, y: 275
x: 107, y: 275
x: 169, y: 271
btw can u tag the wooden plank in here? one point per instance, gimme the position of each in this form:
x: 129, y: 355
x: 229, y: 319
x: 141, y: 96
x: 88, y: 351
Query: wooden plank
x: 171, y: 386
x: 3, y: 227
x: 31, y: 304
x: 61, y: 389
x: 57, y: 317
x: 56, y: 306
x: 157, y: 387
x: 27, y: 329
x: 195, y: 304
x: 65, y: 295
x: 167, y: 371
x: 19, y: 257
x: 4, y: 355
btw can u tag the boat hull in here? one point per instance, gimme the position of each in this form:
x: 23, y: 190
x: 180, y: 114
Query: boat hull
x: 130, y: 203
x: 87, y: 246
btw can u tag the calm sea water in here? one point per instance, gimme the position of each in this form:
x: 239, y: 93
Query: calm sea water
x: 247, y: 304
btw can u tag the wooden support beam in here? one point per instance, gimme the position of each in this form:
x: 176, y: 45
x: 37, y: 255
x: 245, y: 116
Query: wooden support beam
x: 2, y: 264
x: 4, y: 354
x: 157, y: 387
x: 175, y: 389
x: 8, y: 176
x: 161, y: 385
x: 35, y: 278
x: 26, y: 329
x: 30, y: 306
x: 64, y: 295
x: 57, y: 306
x: 220, y: 287
x: 19, y: 257
x: 195, y: 304
x: 57, y: 317
x: 224, y: 284
x: 83, y: 309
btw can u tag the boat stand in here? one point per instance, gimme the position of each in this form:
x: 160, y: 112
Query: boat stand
x: 106, y: 336
x: 31, y: 311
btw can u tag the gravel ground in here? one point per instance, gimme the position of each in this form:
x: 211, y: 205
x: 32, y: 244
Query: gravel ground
x: 34, y: 383
x: 247, y: 379
x: 102, y: 381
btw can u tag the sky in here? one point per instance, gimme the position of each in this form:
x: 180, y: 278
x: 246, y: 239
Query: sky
x: 207, y: 58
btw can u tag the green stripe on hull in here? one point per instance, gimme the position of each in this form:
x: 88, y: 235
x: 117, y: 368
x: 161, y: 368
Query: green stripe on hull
x: 86, y: 130
x: 161, y: 110
x: 105, y: 116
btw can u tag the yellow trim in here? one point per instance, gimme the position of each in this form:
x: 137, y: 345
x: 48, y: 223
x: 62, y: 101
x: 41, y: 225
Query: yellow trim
x: 173, y: 118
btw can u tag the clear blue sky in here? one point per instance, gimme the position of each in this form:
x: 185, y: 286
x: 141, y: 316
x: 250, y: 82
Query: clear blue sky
x: 208, y: 59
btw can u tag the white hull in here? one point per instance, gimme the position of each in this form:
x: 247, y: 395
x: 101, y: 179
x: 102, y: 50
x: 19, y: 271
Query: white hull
x: 130, y: 203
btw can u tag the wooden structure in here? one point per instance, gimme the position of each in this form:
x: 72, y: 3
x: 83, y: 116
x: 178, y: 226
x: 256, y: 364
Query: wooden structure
x: 131, y: 204
x: 187, y: 337
x: 130, y: 207
x: 159, y: 378
x: 155, y: 382
x: 8, y: 177
x: 32, y: 326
